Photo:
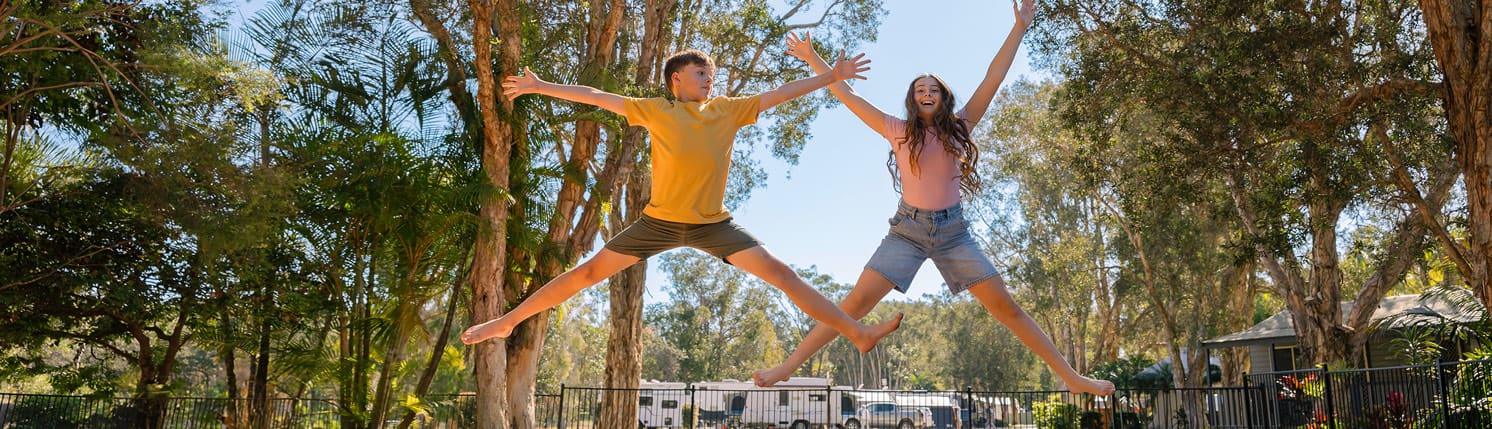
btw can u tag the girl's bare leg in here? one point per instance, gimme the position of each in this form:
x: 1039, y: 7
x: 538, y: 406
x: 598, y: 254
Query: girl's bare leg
x: 992, y: 294
x: 868, y: 291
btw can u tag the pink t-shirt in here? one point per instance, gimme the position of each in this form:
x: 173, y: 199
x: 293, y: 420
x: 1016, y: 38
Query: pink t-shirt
x: 934, y: 185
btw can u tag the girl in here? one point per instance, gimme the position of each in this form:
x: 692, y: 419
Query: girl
x: 933, y: 161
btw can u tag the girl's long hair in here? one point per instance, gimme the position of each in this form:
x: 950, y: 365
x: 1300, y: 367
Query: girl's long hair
x: 954, y: 133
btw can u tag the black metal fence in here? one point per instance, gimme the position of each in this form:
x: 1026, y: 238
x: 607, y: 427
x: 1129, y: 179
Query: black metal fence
x: 22, y: 411
x: 1453, y: 395
x: 1450, y: 396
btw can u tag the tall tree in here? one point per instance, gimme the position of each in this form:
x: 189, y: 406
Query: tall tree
x: 1051, y: 227
x: 1290, y: 142
x: 1459, y: 32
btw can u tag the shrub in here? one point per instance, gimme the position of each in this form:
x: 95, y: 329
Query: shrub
x: 1055, y: 414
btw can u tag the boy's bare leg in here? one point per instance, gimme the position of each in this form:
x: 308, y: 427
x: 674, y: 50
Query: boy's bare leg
x: 592, y: 271
x: 992, y: 294
x: 759, y: 262
x: 868, y: 291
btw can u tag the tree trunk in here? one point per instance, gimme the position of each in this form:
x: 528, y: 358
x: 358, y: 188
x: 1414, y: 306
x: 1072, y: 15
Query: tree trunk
x: 437, y: 350
x: 235, y: 414
x: 1239, y: 286
x: 1319, y: 326
x: 393, y: 356
x: 1461, y: 34
x: 623, y: 348
x: 260, y: 378
x: 489, y: 299
x: 623, y: 343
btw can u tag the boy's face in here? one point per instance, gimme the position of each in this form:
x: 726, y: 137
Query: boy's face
x: 694, y: 82
x: 928, y: 95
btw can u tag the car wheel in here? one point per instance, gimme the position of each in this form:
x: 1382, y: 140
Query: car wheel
x: 800, y: 425
x: 852, y: 424
x: 905, y: 424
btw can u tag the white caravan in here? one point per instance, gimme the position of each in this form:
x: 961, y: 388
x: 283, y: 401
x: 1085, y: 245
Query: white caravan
x: 798, y: 403
x: 660, y: 405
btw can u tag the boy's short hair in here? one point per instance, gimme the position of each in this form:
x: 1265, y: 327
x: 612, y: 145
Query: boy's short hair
x: 679, y: 60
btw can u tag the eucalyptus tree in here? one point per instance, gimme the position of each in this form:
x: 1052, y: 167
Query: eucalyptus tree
x: 1283, y: 104
x: 1050, y: 226
x: 1458, y: 31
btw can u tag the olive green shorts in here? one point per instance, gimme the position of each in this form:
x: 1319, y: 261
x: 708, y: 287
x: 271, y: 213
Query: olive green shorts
x: 650, y: 236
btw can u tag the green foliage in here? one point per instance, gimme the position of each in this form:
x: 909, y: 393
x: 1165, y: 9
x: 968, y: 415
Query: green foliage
x: 1124, y: 373
x: 1190, y: 129
x: 1055, y: 414
x: 716, y: 317
x: 41, y: 412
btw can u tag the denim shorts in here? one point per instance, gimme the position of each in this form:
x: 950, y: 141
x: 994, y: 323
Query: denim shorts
x: 942, y: 235
x: 650, y: 236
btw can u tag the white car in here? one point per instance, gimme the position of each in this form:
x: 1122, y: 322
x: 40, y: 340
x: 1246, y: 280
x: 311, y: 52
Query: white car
x: 877, y: 415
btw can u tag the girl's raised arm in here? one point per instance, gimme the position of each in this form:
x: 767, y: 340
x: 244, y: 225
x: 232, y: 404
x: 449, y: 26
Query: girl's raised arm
x: 980, y: 100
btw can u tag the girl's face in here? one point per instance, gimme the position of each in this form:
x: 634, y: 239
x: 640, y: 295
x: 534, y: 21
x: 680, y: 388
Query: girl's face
x: 693, y: 83
x: 927, y: 95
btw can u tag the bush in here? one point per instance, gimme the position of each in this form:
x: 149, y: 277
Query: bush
x: 46, y: 412
x: 1091, y: 420
x: 1131, y: 420
x: 1055, y: 414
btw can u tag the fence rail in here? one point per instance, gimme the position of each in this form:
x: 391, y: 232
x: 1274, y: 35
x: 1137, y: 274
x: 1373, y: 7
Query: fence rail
x: 1449, y: 395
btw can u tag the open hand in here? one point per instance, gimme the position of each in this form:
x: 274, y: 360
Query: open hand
x: 527, y: 83
x: 1024, y: 12
x: 801, y: 48
x: 850, y: 68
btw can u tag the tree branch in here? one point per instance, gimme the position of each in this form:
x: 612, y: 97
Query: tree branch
x: 1428, y: 214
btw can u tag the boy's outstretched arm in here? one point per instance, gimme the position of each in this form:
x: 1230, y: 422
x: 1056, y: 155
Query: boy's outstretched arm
x: 529, y: 83
x: 872, y: 116
x: 980, y: 100
x: 843, y: 69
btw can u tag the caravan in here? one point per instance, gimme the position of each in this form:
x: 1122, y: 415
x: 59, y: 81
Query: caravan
x: 798, y: 403
x: 660, y: 405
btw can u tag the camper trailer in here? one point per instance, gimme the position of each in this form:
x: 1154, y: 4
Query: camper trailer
x: 720, y: 403
x: 660, y: 405
x: 798, y: 403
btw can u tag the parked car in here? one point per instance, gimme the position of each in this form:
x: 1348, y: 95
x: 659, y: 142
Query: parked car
x: 924, y: 417
x: 875, y: 415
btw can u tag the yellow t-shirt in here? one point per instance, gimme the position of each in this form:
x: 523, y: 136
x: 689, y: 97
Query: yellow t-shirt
x: 691, y: 153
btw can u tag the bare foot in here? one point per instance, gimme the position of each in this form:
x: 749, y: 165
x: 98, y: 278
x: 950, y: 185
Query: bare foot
x: 1090, y: 386
x: 769, y: 377
x: 485, y: 331
x: 873, y: 334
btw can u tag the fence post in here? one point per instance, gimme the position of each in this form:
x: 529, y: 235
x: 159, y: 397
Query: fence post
x: 1445, y: 406
x: 968, y: 404
x: 561, y: 417
x: 1248, y: 403
x: 828, y: 405
x: 1331, y: 414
